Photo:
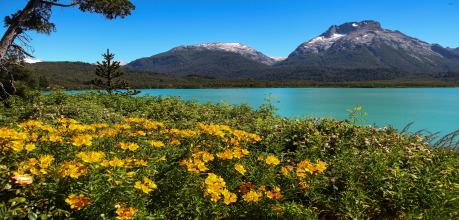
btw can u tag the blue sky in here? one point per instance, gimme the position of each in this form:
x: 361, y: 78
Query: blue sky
x: 275, y: 28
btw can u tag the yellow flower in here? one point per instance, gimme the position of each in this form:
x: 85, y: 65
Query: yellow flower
x: 284, y: 171
x: 303, y: 185
x: 77, y: 202
x: 16, y: 145
x: 91, y: 157
x: 82, y: 140
x: 227, y: 155
x: 141, y: 162
x: 130, y: 174
x: 141, y: 133
x: 275, y: 194
x: 321, y: 166
x: 123, y: 145
x: 45, y: 160
x: 206, y: 157
x: 29, y: 147
x: 105, y: 163
x: 34, y: 171
x: 156, y: 143
x: 116, y: 162
x: 240, y: 168
x: 55, y: 138
x: 147, y: 187
x: 252, y: 196
x: 73, y: 169
x: 272, y: 160
x: 260, y: 158
x: 262, y: 188
x: 133, y: 146
x: 229, y: 197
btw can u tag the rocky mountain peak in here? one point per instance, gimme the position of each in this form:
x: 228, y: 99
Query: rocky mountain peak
x: 369, y: 34
x: 228, y: 47
x: 350, y: 27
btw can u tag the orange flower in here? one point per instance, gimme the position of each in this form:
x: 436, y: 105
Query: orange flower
x: 77, y: 203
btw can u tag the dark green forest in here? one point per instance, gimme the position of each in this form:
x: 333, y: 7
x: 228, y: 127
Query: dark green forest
x: 78, y: 75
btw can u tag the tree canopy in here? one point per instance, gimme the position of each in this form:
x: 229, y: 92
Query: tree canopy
x: 36, y: 17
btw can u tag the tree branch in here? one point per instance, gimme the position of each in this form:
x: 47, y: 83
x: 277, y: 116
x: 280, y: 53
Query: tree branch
x: 56, y: 4
x: 21, y: 49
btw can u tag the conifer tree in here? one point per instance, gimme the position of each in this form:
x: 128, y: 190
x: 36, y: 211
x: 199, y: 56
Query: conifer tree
x: 111, y: 69
x: 43, y: 81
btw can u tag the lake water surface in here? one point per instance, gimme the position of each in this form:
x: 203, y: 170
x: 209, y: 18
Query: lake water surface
x: 434, y: 109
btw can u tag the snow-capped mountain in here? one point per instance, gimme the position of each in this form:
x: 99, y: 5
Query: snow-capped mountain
x: 228, y: 47
x: 31, y: 60
x: 366, y: 33
x: 367, y: 44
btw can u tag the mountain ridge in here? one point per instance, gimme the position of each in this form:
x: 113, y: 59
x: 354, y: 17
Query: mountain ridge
x: 364, y: 44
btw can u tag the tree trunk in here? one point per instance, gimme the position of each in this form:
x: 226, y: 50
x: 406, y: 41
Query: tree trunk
x: 16, y: 27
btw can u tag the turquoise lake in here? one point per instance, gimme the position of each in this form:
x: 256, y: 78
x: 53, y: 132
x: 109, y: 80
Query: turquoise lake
x: 434, y: 109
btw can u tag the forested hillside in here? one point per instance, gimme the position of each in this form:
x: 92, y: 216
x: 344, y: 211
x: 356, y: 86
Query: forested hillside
x: 77, y: 75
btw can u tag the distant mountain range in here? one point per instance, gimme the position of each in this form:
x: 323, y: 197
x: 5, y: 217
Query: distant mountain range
x: 350, y: 45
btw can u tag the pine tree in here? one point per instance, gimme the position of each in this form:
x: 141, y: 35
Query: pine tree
x: 111, y: 69
x: 43, y: 81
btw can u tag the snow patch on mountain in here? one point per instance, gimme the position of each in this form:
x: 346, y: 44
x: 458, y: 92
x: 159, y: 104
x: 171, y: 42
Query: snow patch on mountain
x: 239, y: 48
x: 31, y: 60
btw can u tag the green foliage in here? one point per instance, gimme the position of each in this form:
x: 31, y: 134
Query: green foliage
x: 110, y: 70
x: 354, y: 113
x: 269, y: 108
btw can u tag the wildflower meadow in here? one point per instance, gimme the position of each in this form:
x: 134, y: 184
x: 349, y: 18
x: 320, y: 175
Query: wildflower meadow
x: 99, y: 156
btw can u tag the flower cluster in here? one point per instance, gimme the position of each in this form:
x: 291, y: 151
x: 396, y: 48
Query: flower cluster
x: 216, y: 187
x: 91, y: 157
x: 147, y: 186
x: 271, y: 159
x: 131, y: 146
x: 194, y: 165
x: 73, y: 169
x: 126, y: 213
x: 77, y: 202
x: 235, y: 152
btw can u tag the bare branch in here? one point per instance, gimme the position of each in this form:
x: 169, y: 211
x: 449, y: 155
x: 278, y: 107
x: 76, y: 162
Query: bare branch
x: 56, y: 4
x: 22, y: 50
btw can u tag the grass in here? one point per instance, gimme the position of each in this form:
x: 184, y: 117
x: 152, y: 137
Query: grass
x: 165, y: 158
